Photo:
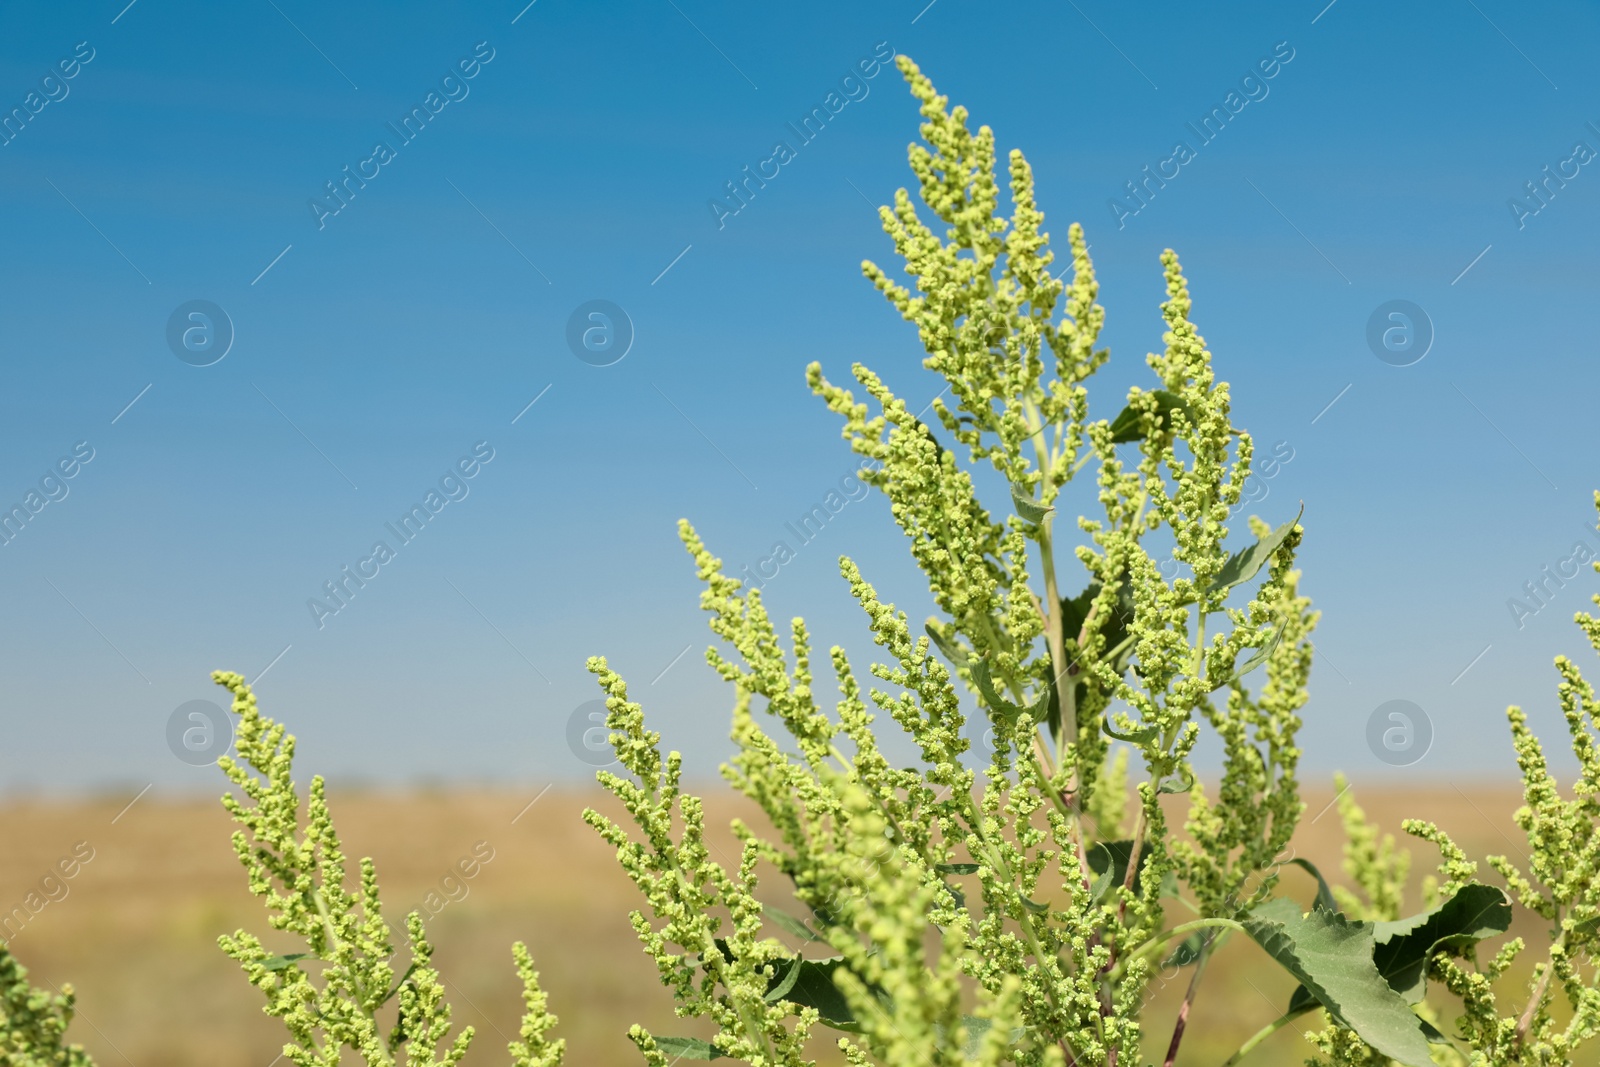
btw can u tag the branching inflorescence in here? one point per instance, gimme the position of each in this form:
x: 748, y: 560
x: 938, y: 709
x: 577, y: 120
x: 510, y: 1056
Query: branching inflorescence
x: 1046, y: 921
x: 952, y: 912
x: 341, y: 990
x: 33, y: 1022
x: 983, y: 908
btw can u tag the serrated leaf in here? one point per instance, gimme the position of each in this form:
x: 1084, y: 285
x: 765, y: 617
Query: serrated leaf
x: 1243, y: 564
x: 689, y: 1048
x: 1475, y: 912
x: 788, y: 922
x: 1332, y: 957
x: 1129, y: 424
x: 1325, y: 901
x: 1030, y: 509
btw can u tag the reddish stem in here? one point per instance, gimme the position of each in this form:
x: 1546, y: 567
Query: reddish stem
x: 1183, y: 1009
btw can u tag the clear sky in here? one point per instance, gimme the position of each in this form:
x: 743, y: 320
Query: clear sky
x: 178, y: 152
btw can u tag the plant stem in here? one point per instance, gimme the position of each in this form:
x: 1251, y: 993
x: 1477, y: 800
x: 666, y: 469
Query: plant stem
x: 1055, y: 640
x: 1026, y: 924
x: 1184, y: 930
x: 1265, y: 1032
x: 1526, y: 1021
x: 1188, y: 1002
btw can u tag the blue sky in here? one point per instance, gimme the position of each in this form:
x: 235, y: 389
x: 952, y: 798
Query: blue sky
x: 375, y: 347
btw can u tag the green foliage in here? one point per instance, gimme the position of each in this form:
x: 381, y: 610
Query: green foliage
x: 33, y: 1022
x: 1016, y: 881
x: 1333, y: 958
x: 999, y: 907
x: 336, y: 995
x: 1503, y: 1023
x: 1016, y: 890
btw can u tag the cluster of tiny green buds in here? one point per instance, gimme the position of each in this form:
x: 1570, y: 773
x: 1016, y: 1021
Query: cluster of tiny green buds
x: 292, y: 855
x: 33, y: 1021
x: 1559, y: 883
x: 1372, y: 862
x: 1018, y: 890
x: 1007, y: 872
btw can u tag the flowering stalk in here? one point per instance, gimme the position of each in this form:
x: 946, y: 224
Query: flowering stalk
x: 1016, y: 869
x: 965, y: 907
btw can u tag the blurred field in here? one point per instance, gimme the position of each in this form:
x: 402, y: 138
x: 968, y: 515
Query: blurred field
x: 136, y: 931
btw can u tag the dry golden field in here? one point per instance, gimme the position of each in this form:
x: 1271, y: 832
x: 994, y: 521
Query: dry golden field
x: 136, y: 930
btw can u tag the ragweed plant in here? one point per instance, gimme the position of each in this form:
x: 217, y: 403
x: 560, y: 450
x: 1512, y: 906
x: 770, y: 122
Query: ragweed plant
x: 996, y: 908
x: 341, y: 990
x: 33, y: 1022
x: 997, y: 912
x: 1505, y: 1023
x: 983, y: 907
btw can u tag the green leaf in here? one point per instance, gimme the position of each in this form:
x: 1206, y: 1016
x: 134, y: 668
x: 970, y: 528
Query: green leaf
x: 991, y: 696
x: 949, y: 644
x: 1256, y: 660
x: 1332, y: 957
x: 1141, y: 736
x: 809, y: 984
x: 283, y: 963
x: 788, y: 922
x: 1109, y: 862
x: 1074, y: 611
x: 786, y: 981
x: 689, y: 1048
x: 1475, y: 912
x: 1325, y: 901
x: 1431, y: 1032
x: 1030, y: 509
x: 1243, y: 565
x: 1188, y: 783
x: 1190, y: 949
x: 402, y: 981
x: 978, y: 1029
x: 1006, y: 711
x: 1302, y: 1000
x: 1129, y: 424
x: 956, y: 868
